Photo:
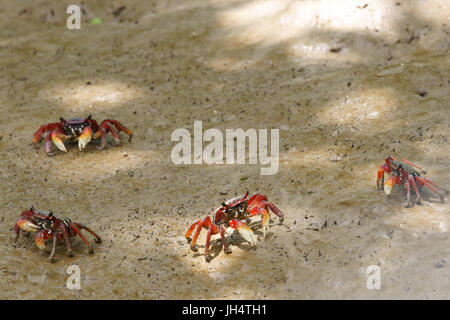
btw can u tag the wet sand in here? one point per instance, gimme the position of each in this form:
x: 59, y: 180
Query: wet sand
x: 346, y: 85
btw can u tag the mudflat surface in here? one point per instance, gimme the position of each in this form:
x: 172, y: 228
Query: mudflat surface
x: 347, y: 84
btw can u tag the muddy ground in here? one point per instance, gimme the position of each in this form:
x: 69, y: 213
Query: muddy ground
x: 347, y: 84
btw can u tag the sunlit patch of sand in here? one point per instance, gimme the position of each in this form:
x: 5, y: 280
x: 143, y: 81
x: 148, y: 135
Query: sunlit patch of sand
x: 364, y: 106
x: 89, y: 96
x: 273, y: 21
x: 429, y: 217
x: 99, y: 164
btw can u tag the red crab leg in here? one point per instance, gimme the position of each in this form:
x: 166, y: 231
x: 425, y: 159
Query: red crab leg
x: 226, y: 248
x: 412, y: 164
x: 81, y: 227
x: 380, y: 175
x: 265, y: 220
x: 120, y: 127
x: 212, y: 229
x: 414, y: 186
x: 434, y: 184
x: 55, y: 239
x: 208, y: 239
x: 114, y: 133
x: 275, y: 210
x: 66, y: 236
x: 191, y: 228
x: 37, y: 136
x: 103, y: 130
x: 113, y: 126
x: 408, y: 195
x: 16, y: 231
x: 197, y: 232
x: 78, y: 232
x: 48, y: 142
x: 427, y: 183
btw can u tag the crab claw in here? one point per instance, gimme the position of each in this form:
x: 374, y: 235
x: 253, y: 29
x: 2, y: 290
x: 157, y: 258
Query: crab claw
x: 84, y: 139
x: 265, y: 223
x: 27, y: 225
x: 39, y: 240
x: 245, y: 231
x: 58, y: 142
x: 389, y: 184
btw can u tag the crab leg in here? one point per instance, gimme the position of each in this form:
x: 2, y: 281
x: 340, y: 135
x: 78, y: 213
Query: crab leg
x: 408, y: 195
x: 37, y: 136
x: 412, y: 164
x: 414, y: 186
x: 78, y: 232
x: 115, y: 134
x: 208, y: 240
x: 66, y: 236
x: 16, y: 231
x: 265, y: 220
x: 101, y: 132
x: 48, y: 142
x: 96, y: 236
x: 434, y: 184
x: 197, y: 232
x: 380, y: 175
x: 120, y: 127
x: 55, y: 239
x: 113, y: 126
x: 275, y: 210
x: 191, y: 228
x: 226, y: 247
x: 428, y: 182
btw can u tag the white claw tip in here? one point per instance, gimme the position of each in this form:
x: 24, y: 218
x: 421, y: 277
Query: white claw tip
x: 61, y: 146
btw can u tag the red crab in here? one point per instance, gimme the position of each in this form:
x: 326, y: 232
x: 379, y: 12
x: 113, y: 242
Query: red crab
x: 49, y: 227
x: 231, y: 214
x: 403, y: 172
x: 81, y: 129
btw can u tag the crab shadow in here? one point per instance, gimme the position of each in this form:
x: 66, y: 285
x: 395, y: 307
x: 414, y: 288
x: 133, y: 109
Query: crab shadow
x: 400, y: 195
x: 234, y: 239
x: 92, y: 146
